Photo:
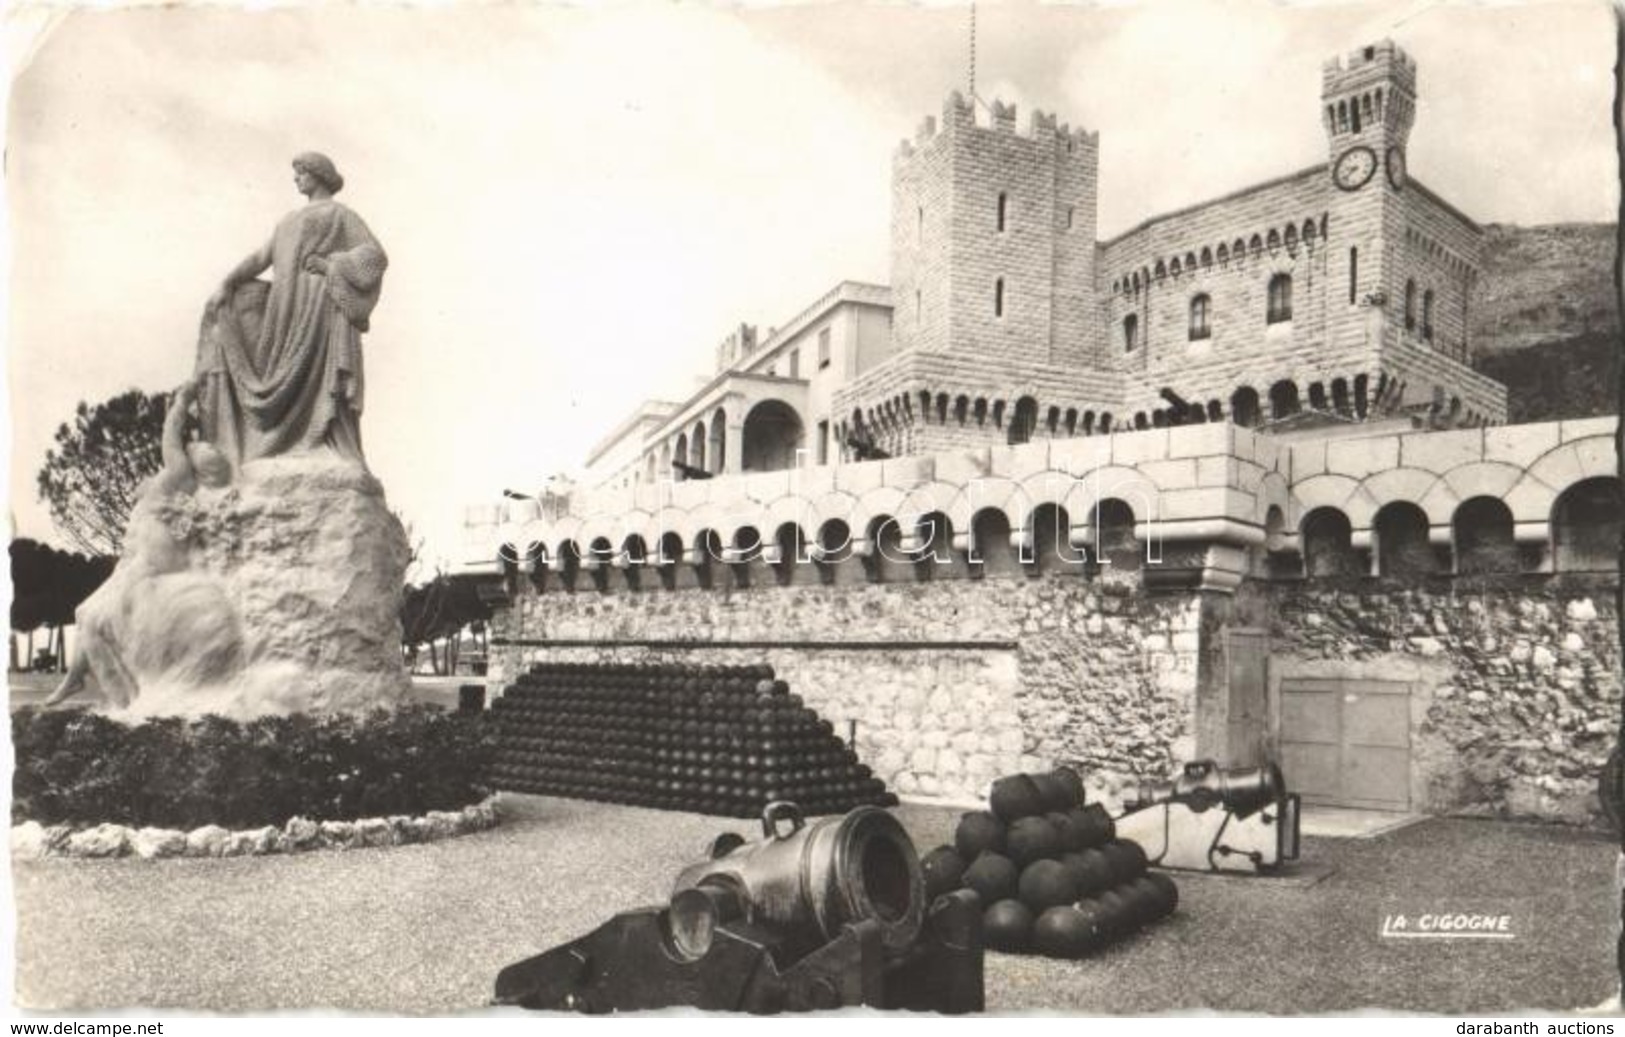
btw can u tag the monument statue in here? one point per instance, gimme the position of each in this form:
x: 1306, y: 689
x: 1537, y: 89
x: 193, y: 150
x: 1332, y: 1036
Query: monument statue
x: 155, y: 619
x: 279, y: 364
x: 263, y: 570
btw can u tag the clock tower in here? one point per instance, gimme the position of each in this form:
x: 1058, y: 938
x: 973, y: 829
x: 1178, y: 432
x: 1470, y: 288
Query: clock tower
x: 1368, y: 102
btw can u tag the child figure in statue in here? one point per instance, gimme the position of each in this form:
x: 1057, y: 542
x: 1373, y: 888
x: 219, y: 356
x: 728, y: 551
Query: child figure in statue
x: 153, y: 620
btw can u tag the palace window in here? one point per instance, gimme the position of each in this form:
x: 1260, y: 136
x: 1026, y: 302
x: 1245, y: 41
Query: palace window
x: 1199, y: 317
x: 795, y: 363
x: 1354, y: 276
x: 1131, y: 330
x: 1410, y: 305
x: 823, y: 348
x: 998, y: 297
x: 1280, y: 299
x: 1004, y: 205
x: 1427, y: 315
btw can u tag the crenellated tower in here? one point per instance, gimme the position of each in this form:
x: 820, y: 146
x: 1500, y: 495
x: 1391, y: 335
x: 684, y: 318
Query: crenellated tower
x: 993, y: 238
x: 1368, y: 104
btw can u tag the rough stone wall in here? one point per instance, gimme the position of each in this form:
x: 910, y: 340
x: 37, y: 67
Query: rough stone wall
x: 1517, y: 681
x: 952, y: 683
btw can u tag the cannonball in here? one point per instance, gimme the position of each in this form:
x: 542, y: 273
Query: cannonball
x: 1008, y: 926
x: 1015, y: 796
x: 1031, y: 839
x: 993, y: 877
x: 1166, y: 889
x: 1064, y: 932
x: 944, y: 871
x: 978, y: 833
x: 1044, y: 884
x: 1127, y: 859
x: 1094, y: 916
x: 1091, y: 871
x: 1144, y: 897
x: 1053, y: 793
x: 1118, y: 913
x: 1095, y: 823
x: 1073, y: 782
x: 1069, y: 836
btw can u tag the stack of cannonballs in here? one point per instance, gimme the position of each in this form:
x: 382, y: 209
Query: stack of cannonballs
x: 1051, y: 874
x: 706, y: 739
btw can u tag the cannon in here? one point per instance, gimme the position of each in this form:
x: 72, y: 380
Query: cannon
x: 819, y: 915
x: 1210, y: 818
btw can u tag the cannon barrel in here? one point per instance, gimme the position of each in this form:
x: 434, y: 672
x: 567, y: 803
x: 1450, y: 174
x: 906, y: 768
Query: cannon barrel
x: 1203, y: 784
x: 813, y: 916
x: 811, y: 881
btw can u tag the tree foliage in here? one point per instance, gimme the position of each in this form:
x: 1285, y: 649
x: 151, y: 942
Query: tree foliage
x: 91, y: 476
x: 47, y: 585
x: 438, y: 610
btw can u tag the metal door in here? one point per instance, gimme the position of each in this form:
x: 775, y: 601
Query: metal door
x: 1347, y: 742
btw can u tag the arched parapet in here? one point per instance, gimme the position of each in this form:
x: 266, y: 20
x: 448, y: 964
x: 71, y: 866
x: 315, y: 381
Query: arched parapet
x: 879, y: 501
x: 1330, y: 491
x: 1591, y: 457
x: 929, y: 498
x: 1480, y: 479
x: 1273, y: 492
x: 1410, y: 486
x: 990, y: 492
x: 834, y: 506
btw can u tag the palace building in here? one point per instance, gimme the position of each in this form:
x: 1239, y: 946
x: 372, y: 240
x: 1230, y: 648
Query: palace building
x: 1339, y: 291
x: 1222, y: 486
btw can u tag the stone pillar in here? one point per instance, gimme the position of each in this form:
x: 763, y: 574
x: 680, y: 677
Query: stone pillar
x: 734, y: 443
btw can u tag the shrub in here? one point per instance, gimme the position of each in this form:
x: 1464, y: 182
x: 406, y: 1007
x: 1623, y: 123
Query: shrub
x: 80, y: 768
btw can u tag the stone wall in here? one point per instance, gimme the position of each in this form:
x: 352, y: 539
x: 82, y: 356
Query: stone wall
x: 951, y: 685
x: 1517, y: 681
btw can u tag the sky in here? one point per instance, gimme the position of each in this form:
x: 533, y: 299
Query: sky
x: 578, y: 203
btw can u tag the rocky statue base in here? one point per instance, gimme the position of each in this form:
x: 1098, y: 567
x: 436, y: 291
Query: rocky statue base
x: 285, y: 598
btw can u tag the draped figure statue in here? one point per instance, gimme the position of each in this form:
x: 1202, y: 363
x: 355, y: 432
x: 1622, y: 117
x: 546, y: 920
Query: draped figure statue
x: 279, y: 363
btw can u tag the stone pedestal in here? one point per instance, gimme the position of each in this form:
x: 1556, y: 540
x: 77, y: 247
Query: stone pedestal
x: 309, y: 562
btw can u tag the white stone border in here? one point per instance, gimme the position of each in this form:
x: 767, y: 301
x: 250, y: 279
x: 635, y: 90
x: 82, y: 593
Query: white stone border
x: 34, y: 841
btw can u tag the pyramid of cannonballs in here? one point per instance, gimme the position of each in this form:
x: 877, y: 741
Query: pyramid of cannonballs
x: 1052, y: 877
x: 704, y: 739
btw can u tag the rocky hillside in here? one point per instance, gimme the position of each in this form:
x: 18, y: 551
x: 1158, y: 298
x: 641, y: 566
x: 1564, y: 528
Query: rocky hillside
x: 1547, y: 324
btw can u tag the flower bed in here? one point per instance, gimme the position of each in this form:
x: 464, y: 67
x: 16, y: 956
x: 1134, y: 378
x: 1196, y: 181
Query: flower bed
x: 85, y: 772
x: 33, y: 841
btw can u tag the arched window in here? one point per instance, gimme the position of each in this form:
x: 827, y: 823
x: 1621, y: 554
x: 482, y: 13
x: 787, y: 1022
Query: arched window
x: 1427, y: 315
x: 1283, y: 399
x: 998, y: 297
x: 1131, y: 330
x: 1199, y: 317
x: 1024, y: 422
x: 1207, y: 257
x: 1114, y: 536
x: 1244, y: 408
x: 1004, y: 205
x: 1586, y: 526
x: 1326, y: 550
x: 1280, y: 299
x: 1402, y: 540
x: 1483, y: 537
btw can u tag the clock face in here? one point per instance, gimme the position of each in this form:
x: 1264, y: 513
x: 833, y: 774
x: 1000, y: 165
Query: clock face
x: 1396, y: 167
x: 1354, y: 167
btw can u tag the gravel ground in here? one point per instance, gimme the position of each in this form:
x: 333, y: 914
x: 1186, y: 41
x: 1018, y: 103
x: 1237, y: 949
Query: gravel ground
x: 424, y: 929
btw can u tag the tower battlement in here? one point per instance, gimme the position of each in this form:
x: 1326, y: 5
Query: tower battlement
x: 959, y: 115
x: 1373, y: 63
